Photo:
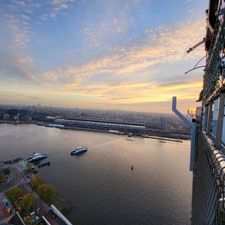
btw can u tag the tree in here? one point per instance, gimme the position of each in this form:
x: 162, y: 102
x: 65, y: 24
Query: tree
x: 46, y: 192
x: 28, y: 166
x: 15, y: 193
x: 27, y: 202
x: 2, y: 178
x: 36, y: 181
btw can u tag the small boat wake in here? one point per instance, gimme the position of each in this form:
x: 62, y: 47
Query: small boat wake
x: 106, y: 143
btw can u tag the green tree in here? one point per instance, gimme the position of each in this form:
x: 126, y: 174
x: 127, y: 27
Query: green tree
x: 2, y: 178
x: 36, y: 181
x: 27, y: 202
x: 14, y: 194
x: 28, y: 165
x: 46, y: 192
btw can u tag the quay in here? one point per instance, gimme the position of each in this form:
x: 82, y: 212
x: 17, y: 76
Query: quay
x: 137, y: 129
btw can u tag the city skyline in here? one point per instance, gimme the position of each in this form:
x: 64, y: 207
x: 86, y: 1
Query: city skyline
x: 128, y: 55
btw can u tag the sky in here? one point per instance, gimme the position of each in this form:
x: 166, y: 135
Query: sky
x: 103, y: 54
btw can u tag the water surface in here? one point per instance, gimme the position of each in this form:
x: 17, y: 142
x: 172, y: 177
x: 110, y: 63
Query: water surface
x: 100, y: 184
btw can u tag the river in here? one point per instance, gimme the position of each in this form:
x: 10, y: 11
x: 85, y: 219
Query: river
x: 100, y: 184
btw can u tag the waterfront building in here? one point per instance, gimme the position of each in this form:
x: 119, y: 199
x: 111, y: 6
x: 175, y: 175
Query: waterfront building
x: 39, y: 116
x: 24, y: 115
x: 13, y: 114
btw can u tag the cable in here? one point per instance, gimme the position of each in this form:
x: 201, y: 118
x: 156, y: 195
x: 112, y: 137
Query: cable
x: 195, y: 68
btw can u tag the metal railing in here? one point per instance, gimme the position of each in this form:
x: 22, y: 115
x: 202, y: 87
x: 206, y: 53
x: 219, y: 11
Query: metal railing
x: 208, y: 202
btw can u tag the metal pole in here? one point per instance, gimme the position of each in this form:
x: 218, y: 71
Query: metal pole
x: 205, y: 117
x: 178, y: 113
x: 209, y: 119
x: 219, y: 129
x: 193, y: 144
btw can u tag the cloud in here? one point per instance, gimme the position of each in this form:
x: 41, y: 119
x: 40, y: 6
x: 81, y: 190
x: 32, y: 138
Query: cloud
x: 25, y: 8
x: 15, y: 61
x: 125, y: 75
x: 113, y: 20
x: 134, y: 93
x: 16, y: 66
x: 18, y: 28
x: 58, y: 6
x: 61, y: 4
x: 129, y: 76
x: 163, y: 46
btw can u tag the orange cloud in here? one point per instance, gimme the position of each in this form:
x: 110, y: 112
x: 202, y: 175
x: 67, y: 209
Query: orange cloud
x: 129, y: 73
x: 169, y: 47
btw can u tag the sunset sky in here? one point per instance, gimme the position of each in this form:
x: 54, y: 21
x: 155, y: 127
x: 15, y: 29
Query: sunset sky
x: 105, y: 54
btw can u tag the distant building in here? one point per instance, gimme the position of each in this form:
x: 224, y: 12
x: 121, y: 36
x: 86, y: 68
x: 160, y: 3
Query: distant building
x: 6, y: 116
x: 39, y: 116
x: 162, y: 123
x: 24, y: 115
x: 13, y: 114
x: 1, y: 114
x: 152, y: 124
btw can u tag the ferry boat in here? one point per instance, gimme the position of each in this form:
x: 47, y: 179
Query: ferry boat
x: 79, y: 150
x: 36, y: 157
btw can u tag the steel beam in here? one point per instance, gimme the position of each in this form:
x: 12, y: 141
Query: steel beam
x: 219, y: 129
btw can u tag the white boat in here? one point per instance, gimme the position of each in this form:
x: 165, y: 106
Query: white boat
x: 115, y: 132
x: 36, y: 157
x: 79, y: 150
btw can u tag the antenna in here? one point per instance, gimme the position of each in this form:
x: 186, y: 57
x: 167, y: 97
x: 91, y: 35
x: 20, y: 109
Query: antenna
x: 195, y: 46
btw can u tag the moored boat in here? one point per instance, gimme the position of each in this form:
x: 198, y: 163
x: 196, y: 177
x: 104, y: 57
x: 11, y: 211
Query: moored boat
x: 36, y: 157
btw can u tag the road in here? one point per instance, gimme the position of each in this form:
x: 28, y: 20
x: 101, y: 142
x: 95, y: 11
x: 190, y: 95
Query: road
x: 14, y: 179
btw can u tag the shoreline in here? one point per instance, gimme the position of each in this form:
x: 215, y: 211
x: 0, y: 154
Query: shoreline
x: 153, y: 134
x: 18, y: 176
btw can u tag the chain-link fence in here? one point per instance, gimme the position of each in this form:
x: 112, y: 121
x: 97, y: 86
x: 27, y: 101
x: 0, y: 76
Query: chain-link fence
x: 208, y: 200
